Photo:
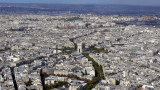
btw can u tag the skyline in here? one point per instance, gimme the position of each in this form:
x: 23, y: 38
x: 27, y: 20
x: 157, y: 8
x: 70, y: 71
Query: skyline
x: 117, y: 2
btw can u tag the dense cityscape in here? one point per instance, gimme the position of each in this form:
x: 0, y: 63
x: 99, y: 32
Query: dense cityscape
x: 79, y: 52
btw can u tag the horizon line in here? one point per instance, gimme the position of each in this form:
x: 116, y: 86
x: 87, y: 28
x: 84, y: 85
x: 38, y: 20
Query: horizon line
x: 84, y: 4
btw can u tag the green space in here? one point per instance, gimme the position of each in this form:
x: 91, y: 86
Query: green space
x: 98, y: 73
x: 5, y: 49
x: 29, y: 83
x: 98, y: 50
x: 56, y: 85
x: 67, y: 50
x: 156, y: 70
x: 131, y: 60
x: 71, y: 19
x: 144, y: 66
x: 113, y: 73
x: 49, y: 87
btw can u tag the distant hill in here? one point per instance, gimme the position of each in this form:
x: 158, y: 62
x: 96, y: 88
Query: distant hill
x: 55, y: 9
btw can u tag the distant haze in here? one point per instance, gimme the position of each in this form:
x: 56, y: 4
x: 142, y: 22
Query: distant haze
x: 120, y: 2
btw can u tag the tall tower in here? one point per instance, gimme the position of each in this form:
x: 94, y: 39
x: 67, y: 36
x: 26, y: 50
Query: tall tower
x: 79, y: 48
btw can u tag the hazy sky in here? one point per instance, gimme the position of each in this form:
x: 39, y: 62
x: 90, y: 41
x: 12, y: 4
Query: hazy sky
x: 130, y: 2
